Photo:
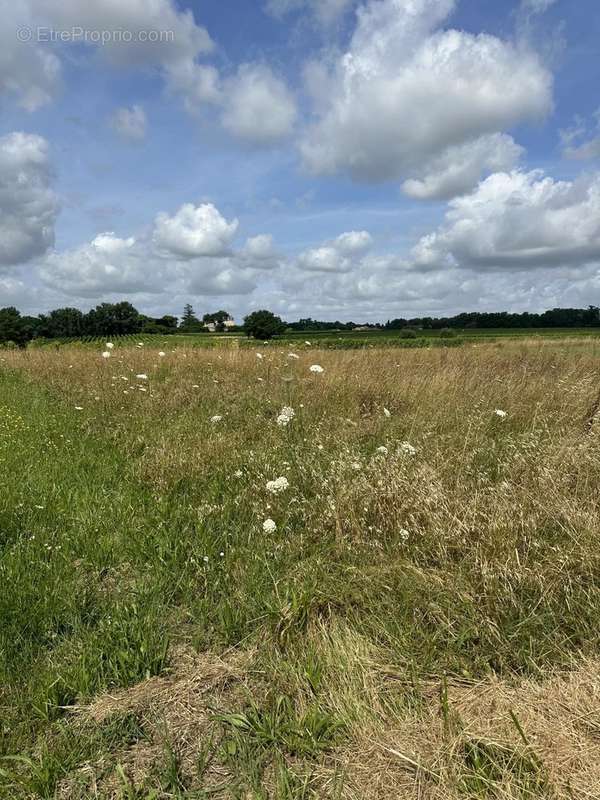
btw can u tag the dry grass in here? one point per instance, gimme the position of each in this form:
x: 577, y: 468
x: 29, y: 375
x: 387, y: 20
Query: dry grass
x: 419, y: 626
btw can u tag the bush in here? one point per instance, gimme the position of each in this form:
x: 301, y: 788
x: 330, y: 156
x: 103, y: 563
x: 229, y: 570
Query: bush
x: 447, y: 333
x: 408, y: 333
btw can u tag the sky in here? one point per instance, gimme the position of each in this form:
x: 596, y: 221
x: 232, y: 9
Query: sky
x: 327, y: 158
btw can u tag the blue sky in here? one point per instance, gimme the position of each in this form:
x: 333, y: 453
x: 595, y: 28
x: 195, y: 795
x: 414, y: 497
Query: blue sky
x: 332, y: 158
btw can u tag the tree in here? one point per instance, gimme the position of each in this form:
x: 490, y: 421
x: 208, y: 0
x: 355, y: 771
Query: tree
x: 263, y: 324
x: 14, y: 327
x: 110, y: 319
x: 62, y: 323
x: 190, y: 321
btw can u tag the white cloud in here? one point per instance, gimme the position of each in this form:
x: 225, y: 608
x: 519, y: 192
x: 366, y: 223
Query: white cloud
x: 130, y: 123
x: 575, y: 143
x: 536, y: 6
x: 159, y: 34
x: 258, y: 107
x: 194, y: 231
x: 337, y: 256
x: 408, y: 96
x: 458, y: 169
x: 28, y: 204
x: 518, y: 220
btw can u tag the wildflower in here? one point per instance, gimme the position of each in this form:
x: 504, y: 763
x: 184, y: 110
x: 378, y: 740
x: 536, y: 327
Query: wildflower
x: 408, y: 449
x: 106, y: 354
x: 260, y: 356
x: 383, y: 451
x: 278, y: 485
x: 109, y: 345
x: 387, y: 413
x: 161, y: 354
x: 286, y: 415
x: 205, y: 559
x: 404, y: 534
x: 317, y: 369
x: 293, y: 355
x: 238, y: 473
x: 195, y: 386
x: 269, y: 526
x: 142, y: 376
x: 78, y: 408
x: 499, y: 413
x: 308, y: 343
x: 356, y: 466
x: 216, y: 418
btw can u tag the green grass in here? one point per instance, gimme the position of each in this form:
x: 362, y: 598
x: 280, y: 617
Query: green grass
x: 131, y: 531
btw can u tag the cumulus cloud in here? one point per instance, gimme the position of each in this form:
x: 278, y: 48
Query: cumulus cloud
x: 159, y: 35
x: 517, y: 220
x: 28, y: 70
x: 459, y: 168
x: 408, y: 96
x: 28, y: 204
x: 130, y: 123
x: 189, y: 251
x: 339, y: 255
x: 258, y: 107
x: 194, y: 231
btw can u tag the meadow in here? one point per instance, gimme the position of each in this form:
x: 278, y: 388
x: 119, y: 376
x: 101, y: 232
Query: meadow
x: 225, y: 573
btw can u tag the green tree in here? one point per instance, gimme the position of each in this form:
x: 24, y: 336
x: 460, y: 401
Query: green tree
x: 14, y: 327
x: 110, y: 319
x: 190, y: 321
x: 62, y: 323
x: 263, y: 324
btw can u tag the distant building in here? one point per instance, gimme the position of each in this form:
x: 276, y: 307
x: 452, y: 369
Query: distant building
x: 211, y: 327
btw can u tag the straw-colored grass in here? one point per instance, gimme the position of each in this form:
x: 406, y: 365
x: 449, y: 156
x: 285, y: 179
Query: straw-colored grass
x: 423, y: 622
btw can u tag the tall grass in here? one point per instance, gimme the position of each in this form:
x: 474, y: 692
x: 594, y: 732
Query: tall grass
x: 424, y: 542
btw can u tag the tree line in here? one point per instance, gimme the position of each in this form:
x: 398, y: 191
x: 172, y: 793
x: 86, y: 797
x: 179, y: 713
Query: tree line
x: 121, y: 319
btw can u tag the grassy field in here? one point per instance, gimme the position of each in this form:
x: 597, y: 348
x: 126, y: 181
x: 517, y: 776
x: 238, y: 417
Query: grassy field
x: 391, y: 592
x: 329, y: 340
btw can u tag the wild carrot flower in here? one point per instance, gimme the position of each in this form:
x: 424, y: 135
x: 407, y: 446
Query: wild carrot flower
x: 278, y: 485
x: 317, y: 369
x: 499, y: 413
x: 383, y: 451
x: 387, y: 413
x: 161, y: 354
x: 269, y: 526
x: 142, y: 376
x: 286, y: 415
x: 216, y: 418
x: 293, y: 355
x: 106, y: 354
x: 408, y: 449
x: 109, y: 345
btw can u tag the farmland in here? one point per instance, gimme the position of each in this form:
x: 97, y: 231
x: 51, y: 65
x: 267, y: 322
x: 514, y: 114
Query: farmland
x: 225, y: 574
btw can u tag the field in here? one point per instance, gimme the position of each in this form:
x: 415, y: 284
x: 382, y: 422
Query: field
x: 390, y: 593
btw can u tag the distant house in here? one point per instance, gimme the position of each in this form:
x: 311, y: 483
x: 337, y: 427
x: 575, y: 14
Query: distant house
x: 212, y: 327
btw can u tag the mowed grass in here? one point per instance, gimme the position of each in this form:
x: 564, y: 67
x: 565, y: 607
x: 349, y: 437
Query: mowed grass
x: 423, y: 622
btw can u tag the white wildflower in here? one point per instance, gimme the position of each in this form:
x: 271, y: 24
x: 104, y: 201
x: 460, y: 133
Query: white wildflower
x: 499, y: 413
x: 293, y: 355
x: 356, y: 466
x: 106, y: 354
x: 216, y: 418
x: 109, y: 346
x: 260, y: 356
x: 408, y: 449
x: 387, y: 413
x: 238, y: 473
x: 286, y: 415
x: 317, y: 369
x: 383, y: 451
x: 78, y: 408
x: 269, y: 526
x: 308, y: 343
x: 142, y: 376
x: 161, y: 354
x: 278, y: 485
x: 404, y: 534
